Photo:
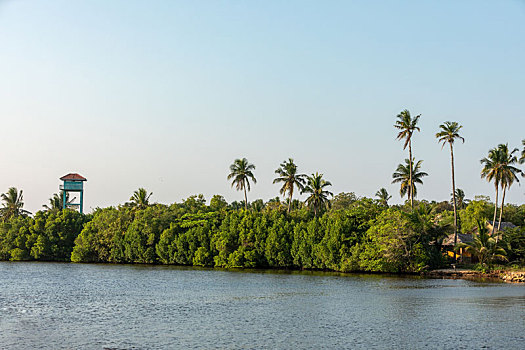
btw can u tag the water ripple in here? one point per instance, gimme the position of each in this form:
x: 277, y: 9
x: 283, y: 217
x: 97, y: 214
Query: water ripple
x: 74, y: 306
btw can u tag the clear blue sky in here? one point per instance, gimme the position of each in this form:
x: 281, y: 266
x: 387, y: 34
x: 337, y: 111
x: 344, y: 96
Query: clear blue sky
x: 166, y: 94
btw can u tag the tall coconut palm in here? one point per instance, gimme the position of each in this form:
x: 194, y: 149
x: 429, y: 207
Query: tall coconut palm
x: 140, y: 198
x: 288, y: 176
x: 509, y: 173
x: 240, y: 173
x: 383, y: 197
x: 407, y: 125
x: 408, y: 177
x: 318, y: 198
x: 13, y: 204
x: 56, y: 202
x: 448, y: 134
x: 492, y: 172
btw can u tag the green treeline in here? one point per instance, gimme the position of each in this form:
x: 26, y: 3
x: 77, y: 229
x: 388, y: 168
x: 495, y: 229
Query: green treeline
x: 341, y: 233
x: 354, y: 235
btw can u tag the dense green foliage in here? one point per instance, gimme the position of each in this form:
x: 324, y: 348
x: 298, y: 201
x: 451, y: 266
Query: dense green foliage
x: 49, y: 236
x: 189, y: 235
x: 356, y: 234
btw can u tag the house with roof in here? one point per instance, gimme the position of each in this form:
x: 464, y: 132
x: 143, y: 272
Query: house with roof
x: 448, y: 246
x: 464, y: 256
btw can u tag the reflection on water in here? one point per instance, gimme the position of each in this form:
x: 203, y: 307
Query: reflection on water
x: 74, y: 306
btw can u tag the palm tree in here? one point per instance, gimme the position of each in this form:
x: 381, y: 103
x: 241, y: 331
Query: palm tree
x: 13, y: 204
x: 383, y: 196
x: 448, y: 134
x: 56, y: 202
x: 484, y: 247
x: 522, y: 157
x: 241, y: 173
x: 407, y: 125
x: 318, y: 198
x: 288, y: 176
x: 408, y: 178
x: 508, y: 173
x: 461, y: 201
x: 140, y: 198
x: 492, y: 172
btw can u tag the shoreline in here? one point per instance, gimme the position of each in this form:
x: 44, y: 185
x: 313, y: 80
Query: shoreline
x: 506, y: 276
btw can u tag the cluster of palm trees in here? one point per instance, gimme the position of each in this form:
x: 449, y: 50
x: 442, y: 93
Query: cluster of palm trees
x: 409, y: 174
x: 241, y: 172
x: 498, y: 167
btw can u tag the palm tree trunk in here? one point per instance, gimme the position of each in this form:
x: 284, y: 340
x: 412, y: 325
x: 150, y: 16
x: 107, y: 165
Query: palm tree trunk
x: 245, y: 197
x: 501, y: 209
x: 454, y: 201
x: 410, y: 184
x: 290, y: 200
x: 495, y: 211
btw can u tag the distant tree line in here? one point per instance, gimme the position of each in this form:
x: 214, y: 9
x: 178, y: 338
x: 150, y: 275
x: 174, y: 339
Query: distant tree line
x: 341, y: 233
x: 355, y: 234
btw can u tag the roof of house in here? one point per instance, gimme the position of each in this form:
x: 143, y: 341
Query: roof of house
x: 73, y: 177
x: 504, y: 225
x: 462, y: 238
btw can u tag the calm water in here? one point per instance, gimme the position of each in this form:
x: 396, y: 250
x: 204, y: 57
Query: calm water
x: 74, y: 306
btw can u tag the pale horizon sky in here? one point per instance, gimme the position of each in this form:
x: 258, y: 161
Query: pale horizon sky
x: 166, y: 94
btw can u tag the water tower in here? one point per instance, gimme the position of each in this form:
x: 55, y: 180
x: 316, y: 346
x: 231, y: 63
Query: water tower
x: 73, y: 183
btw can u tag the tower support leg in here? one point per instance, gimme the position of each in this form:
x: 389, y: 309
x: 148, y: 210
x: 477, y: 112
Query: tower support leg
x: 81, y: 202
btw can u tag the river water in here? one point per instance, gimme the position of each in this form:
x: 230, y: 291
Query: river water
x: 77, y: 306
